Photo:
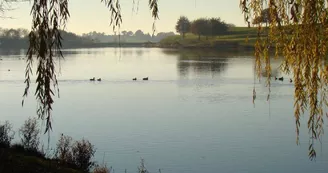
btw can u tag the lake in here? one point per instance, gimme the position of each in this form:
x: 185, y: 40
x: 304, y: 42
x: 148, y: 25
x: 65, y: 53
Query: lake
x: 195, y: 114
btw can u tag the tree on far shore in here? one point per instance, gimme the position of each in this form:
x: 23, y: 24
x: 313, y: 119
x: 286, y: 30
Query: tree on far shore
x: 183, y: 26
x: 217, y: 27
x: 200, y: 27
x: 208, y: 27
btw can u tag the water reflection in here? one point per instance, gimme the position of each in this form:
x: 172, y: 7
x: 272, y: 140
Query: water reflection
x: 65, y: 52
x: 200, y: 66
x: 139, y: 52
x: 78, y: 52
x: 6, y: 52
x: 126, y: 52
x: 199, y: 63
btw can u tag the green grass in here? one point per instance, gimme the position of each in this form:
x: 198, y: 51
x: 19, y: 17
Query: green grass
x: 235, y: 37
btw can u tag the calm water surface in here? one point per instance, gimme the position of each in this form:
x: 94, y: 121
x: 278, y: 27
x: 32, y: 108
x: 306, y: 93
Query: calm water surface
x: 195, y: 114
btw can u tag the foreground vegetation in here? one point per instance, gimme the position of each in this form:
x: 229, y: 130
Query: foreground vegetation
x: 234, y: 38
x: 29, y: 155
x: 17, y: 159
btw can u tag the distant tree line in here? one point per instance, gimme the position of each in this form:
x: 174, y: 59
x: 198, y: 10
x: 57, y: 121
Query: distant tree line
x: 202, y: 27
x: 13, y: 37
x: 127, y: 36
x: 18, y: 38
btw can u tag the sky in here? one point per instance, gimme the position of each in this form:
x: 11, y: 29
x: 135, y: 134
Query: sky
x: 92, y: 15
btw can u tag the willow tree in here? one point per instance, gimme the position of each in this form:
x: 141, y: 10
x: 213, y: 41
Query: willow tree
x: 298, y: 32
x: 45, y: 43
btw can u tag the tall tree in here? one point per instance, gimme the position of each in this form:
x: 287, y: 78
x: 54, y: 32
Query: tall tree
x: 139, y: 33
x: 23, y: 32
x: 12, y: 33
x: 182, y: 26
x: 130, y: 33
x: 124, y: 33
x: 200, y: 27
x: 217, y: 27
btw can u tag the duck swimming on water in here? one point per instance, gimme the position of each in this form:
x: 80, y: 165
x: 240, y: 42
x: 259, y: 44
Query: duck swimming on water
x: 93, y: 79
x: 281, y: 78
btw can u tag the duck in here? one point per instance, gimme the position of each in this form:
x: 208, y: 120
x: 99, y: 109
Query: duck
x: 134, y: 78
x: 290, y: 80
x: 93, y: 79
x: 281, y: 78
x: 99, y: 79
x: 146, y: 78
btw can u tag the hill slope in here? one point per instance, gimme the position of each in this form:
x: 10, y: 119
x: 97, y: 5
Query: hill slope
x: 236, y: 38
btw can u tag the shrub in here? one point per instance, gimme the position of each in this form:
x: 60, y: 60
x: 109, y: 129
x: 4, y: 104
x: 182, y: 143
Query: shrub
x: 63, y: 149
x: 102, y: 169
x: 82, y: 152
x: 142, y: 168
x: 6, y: 134
x: 18, y: 148
x: 29, y: 133
x: 28, y: 151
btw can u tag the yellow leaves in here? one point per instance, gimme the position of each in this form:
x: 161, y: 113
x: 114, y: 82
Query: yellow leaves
x: 312, y: 153
x: 254, y: 95
x: 298, y: 31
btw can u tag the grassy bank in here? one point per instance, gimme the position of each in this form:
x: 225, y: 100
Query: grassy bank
x: 29, y: 155
x: 234, y: 39
x: 19, y: 160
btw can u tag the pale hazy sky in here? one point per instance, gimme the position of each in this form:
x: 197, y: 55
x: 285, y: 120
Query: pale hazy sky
x: 92, y: 15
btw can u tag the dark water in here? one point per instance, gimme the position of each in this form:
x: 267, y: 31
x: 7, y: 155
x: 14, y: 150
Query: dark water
x: 195, y: 114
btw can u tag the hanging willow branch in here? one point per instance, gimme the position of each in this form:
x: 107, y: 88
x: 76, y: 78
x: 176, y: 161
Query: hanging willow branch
x: 298, y: 31
x: 45, y: 44
x: 115, y: 9
x: 116, y: 16
x: 154, y: 8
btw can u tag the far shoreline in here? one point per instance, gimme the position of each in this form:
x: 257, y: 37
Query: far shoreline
x: 223, y: 46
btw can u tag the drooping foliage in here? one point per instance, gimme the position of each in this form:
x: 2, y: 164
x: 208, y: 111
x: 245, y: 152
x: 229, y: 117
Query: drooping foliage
x: 297, y: 30
x: 45, y: 43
